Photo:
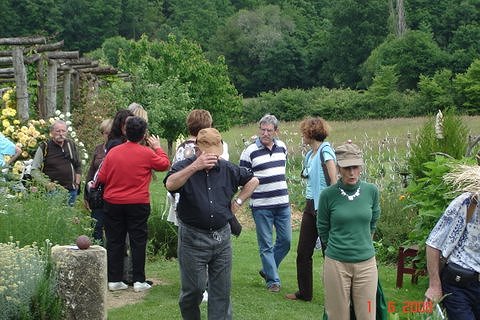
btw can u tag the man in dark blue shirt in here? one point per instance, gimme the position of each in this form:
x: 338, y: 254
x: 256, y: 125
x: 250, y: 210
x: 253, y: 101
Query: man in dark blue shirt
x: 207, y: 184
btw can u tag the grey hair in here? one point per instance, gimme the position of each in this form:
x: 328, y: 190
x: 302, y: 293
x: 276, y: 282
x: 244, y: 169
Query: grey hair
x: 133, y: 106
x: 57, y: 122
x: 269, y: 119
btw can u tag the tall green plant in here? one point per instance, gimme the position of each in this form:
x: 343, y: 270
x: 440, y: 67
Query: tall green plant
x: 427, y: 143
x: 429, y: 196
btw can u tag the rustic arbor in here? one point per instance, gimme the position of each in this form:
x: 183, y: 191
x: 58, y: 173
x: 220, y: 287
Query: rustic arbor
x: 54, y: 67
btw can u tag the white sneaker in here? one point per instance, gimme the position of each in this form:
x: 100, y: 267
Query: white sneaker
x: 114, y: 286
x: 205, y: 296
x: 141, y: 286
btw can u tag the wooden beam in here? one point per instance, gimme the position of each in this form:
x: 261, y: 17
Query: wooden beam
x: 8, y: 80
x: 100, y: 70
x: 47, y: 47
x: 63, y: 55
x: 7, y: 75
x: 6, y: 53
x: 51, y: 88
x: 6, y: 60
x: 77, y: 61
x: 22, y: 41
x: 7, y: 70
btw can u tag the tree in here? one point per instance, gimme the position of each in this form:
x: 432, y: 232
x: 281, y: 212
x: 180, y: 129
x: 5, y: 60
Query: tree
x: 172, y: 77
x: 412, y: 55
x: 468, y: 88
x: 260, y: 50
x: 356, y: 28
x: 435, y: 92
x: 87, y: 23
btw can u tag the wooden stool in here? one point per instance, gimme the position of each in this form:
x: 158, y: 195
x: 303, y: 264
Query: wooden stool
x: 402, y: 269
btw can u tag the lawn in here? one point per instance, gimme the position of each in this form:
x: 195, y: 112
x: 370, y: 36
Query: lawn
x: 249, y: 297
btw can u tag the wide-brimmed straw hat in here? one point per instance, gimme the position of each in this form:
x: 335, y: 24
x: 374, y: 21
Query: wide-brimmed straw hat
x: 464, y: 178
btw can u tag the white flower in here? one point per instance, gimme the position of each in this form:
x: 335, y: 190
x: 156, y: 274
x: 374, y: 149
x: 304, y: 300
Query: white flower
x: 68, y: 114
x: 84, y: 162
x: 70, y: 129
x: 62, y: 116
x: 68, y: 123
x: 81, y: 144
x: 57, y: 112
x: 73, y: 134
x: 85, y: 155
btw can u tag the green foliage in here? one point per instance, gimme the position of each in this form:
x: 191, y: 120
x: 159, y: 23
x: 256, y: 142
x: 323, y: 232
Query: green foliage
x: 36, y: 216
x: 172, y: 77
x: 468, y: 88
x: 436, y: 92
x: 429, y: 196
x: 413, y: 54
x: 427, y: 144
x: 27, y: 284
x: 162, y: 235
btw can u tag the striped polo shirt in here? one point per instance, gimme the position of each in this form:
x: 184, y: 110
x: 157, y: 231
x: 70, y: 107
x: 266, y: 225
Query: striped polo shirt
x: 269, y: 167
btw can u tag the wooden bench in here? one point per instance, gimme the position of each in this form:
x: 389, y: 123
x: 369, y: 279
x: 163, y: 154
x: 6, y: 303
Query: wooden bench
x: 402, y: 269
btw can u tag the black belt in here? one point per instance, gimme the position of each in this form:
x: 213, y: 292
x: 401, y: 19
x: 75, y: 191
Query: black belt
x: 461, y: 274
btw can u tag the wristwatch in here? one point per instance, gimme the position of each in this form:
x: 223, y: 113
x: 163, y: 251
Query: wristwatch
x: 239, y: 201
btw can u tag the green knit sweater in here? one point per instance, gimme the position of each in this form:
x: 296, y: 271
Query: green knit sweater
x: 347, y: 225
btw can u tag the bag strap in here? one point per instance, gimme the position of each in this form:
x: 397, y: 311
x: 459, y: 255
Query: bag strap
x: 324, y: 166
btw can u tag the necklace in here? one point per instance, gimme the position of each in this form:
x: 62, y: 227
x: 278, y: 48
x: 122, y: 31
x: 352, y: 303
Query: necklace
x: 353, y: 196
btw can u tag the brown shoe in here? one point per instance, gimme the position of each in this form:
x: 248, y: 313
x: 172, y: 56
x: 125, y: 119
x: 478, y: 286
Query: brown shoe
x: 274, y: 288
x: 291, y: 296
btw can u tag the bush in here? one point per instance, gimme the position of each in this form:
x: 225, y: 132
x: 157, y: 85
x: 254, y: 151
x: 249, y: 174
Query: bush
x: 36, y: 216
x: 26, y: 284
x: 429, y: 196
x: 162, y: 235
x: 426, y: 145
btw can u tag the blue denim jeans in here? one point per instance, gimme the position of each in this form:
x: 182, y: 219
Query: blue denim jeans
x: 72, y: 196
x: 202, y: 252
x: 272, y: 254
x: 461, y: 302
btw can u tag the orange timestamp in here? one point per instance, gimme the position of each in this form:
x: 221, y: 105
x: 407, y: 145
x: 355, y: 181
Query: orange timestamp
x: 413, y: 306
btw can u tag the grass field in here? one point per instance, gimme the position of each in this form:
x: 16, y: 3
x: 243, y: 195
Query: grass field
x: 251, y: 301
x: 382, y: 141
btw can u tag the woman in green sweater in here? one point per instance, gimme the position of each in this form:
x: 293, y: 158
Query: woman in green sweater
x: 347, y: 215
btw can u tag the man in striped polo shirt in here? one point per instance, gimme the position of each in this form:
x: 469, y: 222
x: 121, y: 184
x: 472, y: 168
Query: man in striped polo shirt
x: 267, y: 158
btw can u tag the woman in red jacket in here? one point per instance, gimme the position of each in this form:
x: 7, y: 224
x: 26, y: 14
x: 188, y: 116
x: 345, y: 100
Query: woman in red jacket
x: 126, y: 173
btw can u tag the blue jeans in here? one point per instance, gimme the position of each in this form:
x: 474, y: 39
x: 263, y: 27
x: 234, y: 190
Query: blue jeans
x: 462, y: 302
x: 201, y: 252
x: 72, y: 196
x: 270, y: 254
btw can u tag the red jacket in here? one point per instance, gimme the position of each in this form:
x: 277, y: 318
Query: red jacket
x: 126, y: 172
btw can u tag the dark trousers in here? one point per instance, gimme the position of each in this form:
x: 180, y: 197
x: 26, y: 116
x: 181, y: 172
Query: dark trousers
x: 462, y: 302
x: 306, y: 246
x: 120, y: 219
x: 99, y: 216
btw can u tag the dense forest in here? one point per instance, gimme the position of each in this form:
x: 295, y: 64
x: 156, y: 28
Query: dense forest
x: 273, y: 44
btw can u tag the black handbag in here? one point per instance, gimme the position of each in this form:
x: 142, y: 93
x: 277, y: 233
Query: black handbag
x: 95, y: 197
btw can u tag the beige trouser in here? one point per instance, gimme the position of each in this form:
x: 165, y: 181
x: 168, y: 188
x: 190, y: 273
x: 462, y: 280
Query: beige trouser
x: 345, y: 282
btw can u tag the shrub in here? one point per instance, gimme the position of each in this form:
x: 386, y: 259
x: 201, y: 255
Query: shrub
x: 36, y: 216
x: 162, y: 234
x: 26, y: 289
x: 429, y: 196
x: 426, y: 145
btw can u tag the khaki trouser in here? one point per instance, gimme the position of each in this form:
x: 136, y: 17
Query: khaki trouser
x: 345, y: 282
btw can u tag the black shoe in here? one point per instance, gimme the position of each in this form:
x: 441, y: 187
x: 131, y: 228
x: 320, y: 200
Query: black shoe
x: 262, y: 274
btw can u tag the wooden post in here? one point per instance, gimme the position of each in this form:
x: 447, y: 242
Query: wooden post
x: 21, y: 83
x: 41, y: 98
x: 51, y: 88
x: 67, y: 78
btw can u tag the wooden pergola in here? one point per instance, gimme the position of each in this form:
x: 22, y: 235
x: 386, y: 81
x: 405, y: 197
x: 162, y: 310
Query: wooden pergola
x: 54, y: 67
